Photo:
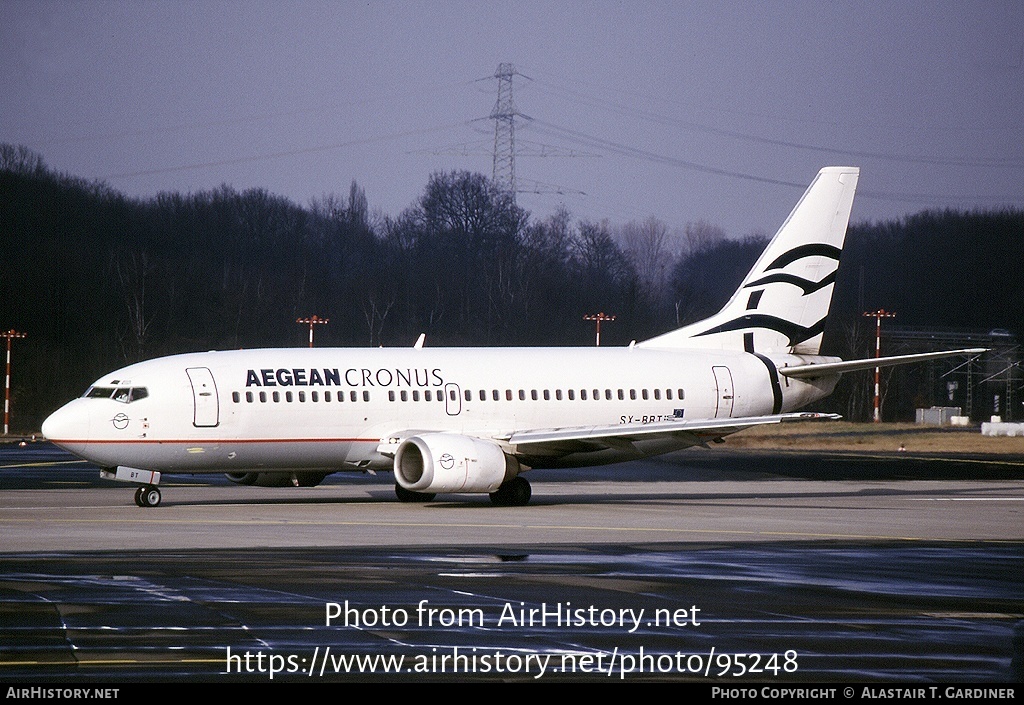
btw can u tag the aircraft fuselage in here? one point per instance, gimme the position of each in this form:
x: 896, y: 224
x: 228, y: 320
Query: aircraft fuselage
x: 335, y: 409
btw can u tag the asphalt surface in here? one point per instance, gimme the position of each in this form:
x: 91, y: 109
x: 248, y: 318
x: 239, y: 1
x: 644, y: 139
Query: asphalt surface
x: 710, y: 566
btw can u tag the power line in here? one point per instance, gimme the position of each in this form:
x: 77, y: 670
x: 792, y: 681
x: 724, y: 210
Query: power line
x: 279, y: 155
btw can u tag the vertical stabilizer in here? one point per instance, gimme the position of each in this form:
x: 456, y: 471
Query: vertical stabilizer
x: 782, y: 303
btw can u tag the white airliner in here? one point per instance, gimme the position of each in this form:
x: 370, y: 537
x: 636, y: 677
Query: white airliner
x: 472, y: 420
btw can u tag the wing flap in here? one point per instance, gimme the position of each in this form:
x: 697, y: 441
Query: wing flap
x: 582, y: 438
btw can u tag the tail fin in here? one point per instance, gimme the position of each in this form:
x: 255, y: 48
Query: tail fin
x: 782, y: 303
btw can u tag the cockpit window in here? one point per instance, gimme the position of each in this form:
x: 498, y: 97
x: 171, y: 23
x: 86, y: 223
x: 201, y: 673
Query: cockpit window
x: 125, y: 395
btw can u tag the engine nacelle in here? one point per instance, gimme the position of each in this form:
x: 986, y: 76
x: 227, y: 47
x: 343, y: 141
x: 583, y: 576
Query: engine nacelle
x: 448, y: 462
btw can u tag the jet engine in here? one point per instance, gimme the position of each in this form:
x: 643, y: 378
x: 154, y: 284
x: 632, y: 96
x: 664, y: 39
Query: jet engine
x: 448, y: 462
x: 277, y: 479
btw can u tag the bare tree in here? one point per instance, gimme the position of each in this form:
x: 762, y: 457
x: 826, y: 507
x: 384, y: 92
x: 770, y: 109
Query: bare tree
x: 648, y: 246
x: 699, y: 236
x: 131, y: 269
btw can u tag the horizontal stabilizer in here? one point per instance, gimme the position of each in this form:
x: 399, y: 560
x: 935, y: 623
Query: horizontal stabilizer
x: 833, y: 368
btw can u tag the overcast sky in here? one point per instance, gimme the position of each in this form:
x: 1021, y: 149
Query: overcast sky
x: 721, y: 111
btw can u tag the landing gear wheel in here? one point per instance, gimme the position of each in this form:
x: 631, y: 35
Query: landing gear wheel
x: 514, y: 493
x: 147, y: 496
x: 405, y: 495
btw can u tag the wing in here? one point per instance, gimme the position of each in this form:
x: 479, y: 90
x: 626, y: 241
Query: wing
x: 561, y: 441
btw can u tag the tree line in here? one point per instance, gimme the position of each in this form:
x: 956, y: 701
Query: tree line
x: 97, y: 279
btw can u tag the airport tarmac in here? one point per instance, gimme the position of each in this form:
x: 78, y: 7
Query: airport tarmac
x: 713, y: 564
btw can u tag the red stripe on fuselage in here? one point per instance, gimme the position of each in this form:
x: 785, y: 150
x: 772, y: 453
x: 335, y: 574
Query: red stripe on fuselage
x: 195, y: 441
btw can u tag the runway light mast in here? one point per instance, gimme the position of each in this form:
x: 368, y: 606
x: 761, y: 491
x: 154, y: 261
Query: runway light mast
x: 312, y: 321
x: 598, y: 317
x: 878, y: 316
x: 10, y: 335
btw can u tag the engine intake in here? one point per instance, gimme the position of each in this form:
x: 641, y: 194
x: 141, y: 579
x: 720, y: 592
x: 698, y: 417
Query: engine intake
x: 448, y: 462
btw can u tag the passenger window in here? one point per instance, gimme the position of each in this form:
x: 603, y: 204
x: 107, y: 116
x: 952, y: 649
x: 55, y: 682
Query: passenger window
x: 495, y: 395
x: 427, y: 396
x: 508, y: 395
x: 366, y: 396
x: 415, y: 395
x: 558, y: 395
x: 236, y: 397
x: 583, y: 394
x: 263, y: 397
x: 248, y: 397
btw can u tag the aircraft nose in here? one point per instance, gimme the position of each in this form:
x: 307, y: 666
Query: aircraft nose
x: 68, y: 423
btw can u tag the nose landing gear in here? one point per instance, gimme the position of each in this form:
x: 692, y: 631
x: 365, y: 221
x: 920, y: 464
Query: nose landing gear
x: 147, y: 496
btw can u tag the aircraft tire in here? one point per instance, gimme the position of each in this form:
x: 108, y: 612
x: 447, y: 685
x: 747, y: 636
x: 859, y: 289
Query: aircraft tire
x: 149, y: 497
x: 138, y: 496
x: 405, y: 495
x: 514, y: 493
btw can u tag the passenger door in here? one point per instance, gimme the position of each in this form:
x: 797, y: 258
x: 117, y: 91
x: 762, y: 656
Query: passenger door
x: 204, y: 394
x: 723, y: 385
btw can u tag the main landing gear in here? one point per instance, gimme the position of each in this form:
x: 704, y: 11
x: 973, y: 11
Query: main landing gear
x: 405, y: 495
x: 514, y: 493
x: 147, y: 496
